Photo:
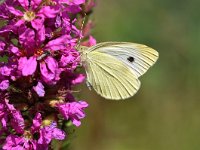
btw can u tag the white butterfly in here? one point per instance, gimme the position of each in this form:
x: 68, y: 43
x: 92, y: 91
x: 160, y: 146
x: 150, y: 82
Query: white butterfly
x: 113, y: 68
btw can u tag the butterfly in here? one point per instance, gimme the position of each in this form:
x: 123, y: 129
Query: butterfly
x: 113, y: 68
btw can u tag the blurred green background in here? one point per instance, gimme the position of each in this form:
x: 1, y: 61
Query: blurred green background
x: 165, y: 113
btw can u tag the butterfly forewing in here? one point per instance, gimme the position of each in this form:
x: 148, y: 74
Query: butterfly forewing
x: 137, y: 56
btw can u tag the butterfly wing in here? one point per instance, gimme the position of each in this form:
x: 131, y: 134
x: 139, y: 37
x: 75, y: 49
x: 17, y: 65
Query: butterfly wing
x: 137, y: 56
x: 110, y: 77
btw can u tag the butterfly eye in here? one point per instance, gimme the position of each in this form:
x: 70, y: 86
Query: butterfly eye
x: 130, y: 59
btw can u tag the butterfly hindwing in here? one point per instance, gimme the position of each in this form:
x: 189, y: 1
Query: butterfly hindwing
x: 110, y: 77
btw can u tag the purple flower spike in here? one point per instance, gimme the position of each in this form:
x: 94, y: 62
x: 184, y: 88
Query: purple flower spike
x: 38, y: 41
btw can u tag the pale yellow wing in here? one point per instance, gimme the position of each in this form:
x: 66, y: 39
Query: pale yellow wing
x: 136, y: 56
x: 110, y: 77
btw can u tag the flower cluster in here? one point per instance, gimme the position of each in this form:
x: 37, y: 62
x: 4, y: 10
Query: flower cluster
x: 38, y: 40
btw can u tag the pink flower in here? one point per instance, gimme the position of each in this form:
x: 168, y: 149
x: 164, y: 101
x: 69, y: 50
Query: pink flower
x: 46, y: 135
x: 73, y: 111
x: 50, y: 73
x: 4, y: 85
x: 30, y: 13
x: 69, y: 60
x: 50, y: 132
x: 5, y: 70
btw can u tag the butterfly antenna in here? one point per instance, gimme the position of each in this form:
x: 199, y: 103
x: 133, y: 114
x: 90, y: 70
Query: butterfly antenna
x: 81, y: 31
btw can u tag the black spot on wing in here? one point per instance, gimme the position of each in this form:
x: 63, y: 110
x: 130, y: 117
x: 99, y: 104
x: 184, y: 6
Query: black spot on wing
x: 130, y: 59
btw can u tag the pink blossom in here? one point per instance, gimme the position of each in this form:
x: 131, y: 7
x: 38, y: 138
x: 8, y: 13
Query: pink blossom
x: 5, y: 70
x: 73, y: 111
x: 50, y: 73
x: 50, y: 132
x: 4, y: 85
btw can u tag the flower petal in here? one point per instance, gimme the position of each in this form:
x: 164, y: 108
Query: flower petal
x: 40, y: 36
x: 14, y: 11
x: 17, y: 121
x: 73, y: 9
x: 2, y: 46
x: 24, y: 3
x: 37, y: 121
x: 58, y: 134
x: 49, y: 11
x: 78, y: 79
x: 38, y: 22
x: 39, y: 89
x: 27, y: 66
x: 90, y: 42
x: 58, y: 44
x: 35, y: 3
x: 4, y: 12
x: 27, y: 43
x: 50, y: 71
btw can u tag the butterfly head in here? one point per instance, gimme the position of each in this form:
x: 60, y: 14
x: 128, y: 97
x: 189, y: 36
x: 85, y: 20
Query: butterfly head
x: 83, y: 52
x: 82, y: 49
